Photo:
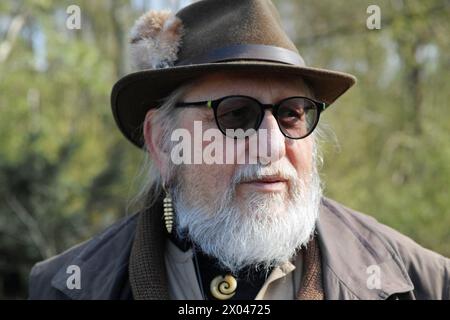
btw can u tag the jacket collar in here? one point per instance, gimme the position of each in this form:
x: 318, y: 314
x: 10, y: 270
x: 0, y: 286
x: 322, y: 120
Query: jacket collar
x: 348, y: 249
x: 352, y: 256
x: 103, y: 263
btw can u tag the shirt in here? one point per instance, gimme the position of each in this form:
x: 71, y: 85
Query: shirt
x: 282, y: 283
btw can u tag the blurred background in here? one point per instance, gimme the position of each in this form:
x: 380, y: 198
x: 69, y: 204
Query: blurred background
x: 66, y: 172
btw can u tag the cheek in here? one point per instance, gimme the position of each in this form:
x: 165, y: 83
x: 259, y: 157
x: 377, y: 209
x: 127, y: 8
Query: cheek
x: 208, y: 182
x: 216, y: 175
x: 300, y: 154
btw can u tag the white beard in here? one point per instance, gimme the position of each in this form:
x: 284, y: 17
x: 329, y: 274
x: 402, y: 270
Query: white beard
x: 257, y: 232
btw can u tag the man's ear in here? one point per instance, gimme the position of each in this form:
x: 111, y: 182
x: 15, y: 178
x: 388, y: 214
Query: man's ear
x: 152, y: 137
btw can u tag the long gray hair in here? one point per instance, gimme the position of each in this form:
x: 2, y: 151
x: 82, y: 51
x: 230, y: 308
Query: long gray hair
x: 150, y: 180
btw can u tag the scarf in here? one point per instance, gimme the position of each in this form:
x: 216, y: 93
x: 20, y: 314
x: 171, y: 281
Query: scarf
x: 147, y: 273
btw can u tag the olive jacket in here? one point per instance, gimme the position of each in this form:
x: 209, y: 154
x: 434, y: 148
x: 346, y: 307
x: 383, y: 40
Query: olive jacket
x: 361, y: 259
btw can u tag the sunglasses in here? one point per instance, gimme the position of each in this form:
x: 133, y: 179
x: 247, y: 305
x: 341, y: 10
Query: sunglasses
x: 297, y: 117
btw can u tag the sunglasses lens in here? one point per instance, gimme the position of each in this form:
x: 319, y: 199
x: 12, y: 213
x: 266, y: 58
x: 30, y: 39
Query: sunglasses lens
x: 297, y: 117
x: 236, y: 115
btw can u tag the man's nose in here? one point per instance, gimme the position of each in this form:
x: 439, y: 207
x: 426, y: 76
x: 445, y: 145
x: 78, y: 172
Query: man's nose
x: 272, y: 145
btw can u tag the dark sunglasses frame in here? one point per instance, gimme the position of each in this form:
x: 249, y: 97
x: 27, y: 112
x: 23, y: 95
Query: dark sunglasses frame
x: 214, y: 104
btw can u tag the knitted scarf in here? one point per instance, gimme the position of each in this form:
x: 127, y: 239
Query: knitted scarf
x: 147, y: 273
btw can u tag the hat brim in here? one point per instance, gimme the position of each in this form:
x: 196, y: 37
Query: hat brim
x: 136, y: 93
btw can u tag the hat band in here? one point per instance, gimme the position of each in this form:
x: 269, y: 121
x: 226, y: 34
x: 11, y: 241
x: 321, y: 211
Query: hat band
x: 247, y: 52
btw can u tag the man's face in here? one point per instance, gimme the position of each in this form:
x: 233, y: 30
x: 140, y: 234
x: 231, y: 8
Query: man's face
x: 214, y: 179
x: 248, y: 213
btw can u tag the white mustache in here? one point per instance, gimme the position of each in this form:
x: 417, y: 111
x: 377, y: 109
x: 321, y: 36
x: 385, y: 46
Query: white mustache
x: 253, y: 172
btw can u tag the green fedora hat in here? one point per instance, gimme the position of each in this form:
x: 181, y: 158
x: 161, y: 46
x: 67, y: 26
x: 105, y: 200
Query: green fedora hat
x: 207, y: 36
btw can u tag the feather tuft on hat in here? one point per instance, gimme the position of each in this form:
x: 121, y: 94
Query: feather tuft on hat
x: 155, y: 40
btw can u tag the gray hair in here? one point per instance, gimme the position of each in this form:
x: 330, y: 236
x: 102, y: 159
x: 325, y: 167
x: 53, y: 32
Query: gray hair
x: 151, y: 183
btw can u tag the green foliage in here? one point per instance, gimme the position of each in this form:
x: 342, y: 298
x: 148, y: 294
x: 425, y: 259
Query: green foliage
x: 392, y: 161
x: 66, y: 172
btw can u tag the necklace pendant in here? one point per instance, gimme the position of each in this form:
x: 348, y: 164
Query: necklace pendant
x: 223, y: 288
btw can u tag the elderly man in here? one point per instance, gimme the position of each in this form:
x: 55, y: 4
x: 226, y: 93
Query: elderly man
x: 226, y: 110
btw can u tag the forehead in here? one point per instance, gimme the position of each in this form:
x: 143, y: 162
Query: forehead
x: 268, y: 87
